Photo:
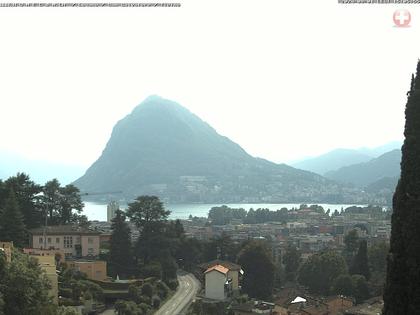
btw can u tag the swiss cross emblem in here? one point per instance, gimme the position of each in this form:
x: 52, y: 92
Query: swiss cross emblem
x: 402, y: 18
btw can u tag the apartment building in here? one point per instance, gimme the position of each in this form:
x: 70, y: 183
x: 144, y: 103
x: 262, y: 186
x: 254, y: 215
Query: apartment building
x: 74, y: 241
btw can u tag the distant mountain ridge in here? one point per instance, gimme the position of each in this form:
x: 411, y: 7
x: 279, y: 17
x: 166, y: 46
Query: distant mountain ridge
x: 162, y: 148
x: 363, y: 174
x: 339, y: 158
x: 332, y: 160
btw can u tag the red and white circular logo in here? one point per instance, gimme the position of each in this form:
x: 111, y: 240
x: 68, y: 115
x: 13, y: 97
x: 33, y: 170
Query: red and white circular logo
x: 402, y: 18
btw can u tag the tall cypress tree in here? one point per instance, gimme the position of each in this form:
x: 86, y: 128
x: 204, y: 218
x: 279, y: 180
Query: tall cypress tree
x: 360, y: 265
x: 402, y: 290
x: 12, y: 227
x: 120, y: 256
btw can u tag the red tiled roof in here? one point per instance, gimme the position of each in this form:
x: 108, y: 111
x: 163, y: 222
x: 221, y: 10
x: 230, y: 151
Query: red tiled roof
x: 227, y: 264
x: 218, y: 268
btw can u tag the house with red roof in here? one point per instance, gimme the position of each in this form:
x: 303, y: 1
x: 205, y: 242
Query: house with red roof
x: 221, y: 279
x: 217, y: 284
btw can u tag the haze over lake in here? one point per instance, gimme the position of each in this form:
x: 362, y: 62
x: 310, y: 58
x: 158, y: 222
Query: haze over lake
x: 97, y: 211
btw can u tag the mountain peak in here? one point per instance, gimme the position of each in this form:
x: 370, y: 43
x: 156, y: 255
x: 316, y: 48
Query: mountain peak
x: 155, y: 99
x: 162, y: 148
x: 160, y: 109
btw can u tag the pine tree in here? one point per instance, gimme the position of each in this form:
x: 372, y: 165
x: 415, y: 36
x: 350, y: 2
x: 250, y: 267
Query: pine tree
x: 360, y: 265
x: 12, y: 227
x: 402, y: 290
x: 120, y: 257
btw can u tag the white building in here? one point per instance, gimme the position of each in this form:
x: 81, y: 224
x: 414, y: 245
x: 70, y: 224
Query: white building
x: 233, y: 270
x: 217, y: 282
x: 112, y: 207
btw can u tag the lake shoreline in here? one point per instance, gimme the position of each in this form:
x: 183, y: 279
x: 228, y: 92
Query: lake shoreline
x: 98, y: 211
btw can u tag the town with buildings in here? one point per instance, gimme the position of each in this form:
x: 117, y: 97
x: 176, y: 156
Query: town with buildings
x: 221, y: 158
x: 309, y: 229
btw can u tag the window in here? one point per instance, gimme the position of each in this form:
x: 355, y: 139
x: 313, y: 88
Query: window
x: 49, y: 240
x: 90, y: 240
x: 68, y: 241
x: 57, y: 240
x: 90, y: 251
x: 41, y: 240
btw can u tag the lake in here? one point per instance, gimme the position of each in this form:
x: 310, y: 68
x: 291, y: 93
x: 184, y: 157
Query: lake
x: 97, y: 211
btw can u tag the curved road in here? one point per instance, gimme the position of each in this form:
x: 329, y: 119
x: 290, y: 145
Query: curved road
x: 184, y: 295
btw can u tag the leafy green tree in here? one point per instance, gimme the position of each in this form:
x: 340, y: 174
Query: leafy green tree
x: 146, y: 210
x: 2, y: 264
x: 200, y: 308
x: 402, y: 290
x: 291, y: 261
x: 51, y: 198
x: 361, y: 288
x: 25, y: 287
x: 67, y: 310
x: 120, y: 256
x: 149, y: 215
x: 90, y: 288
x: 134, y: 293
x: 156, y: 301
x: 355, y: 286
x: 60, y: 202
x: 343, y: 285
x: 360, y: 265
x: 128, y: 308
x: 70, y: 201
x: 221, y: 248
x: 152, y: 269
x: 162, y: 289
x: 2, y: 277
x: 1, y: 304
x: 174, y: 234
x: 189, y: 253
x: 12, y: 227
x: 250, y: 217
x: 317, y: 208
x: 224, y: 215
x: 3, y: 192
x: 175, y: 229
x: 25, y: 193
x: 255, y: 259
x: 147, y: 290
x: 320, y: 270
x: 169, y: 268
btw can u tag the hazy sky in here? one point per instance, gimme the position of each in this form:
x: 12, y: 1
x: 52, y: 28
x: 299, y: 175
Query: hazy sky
x: 284, y: 79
